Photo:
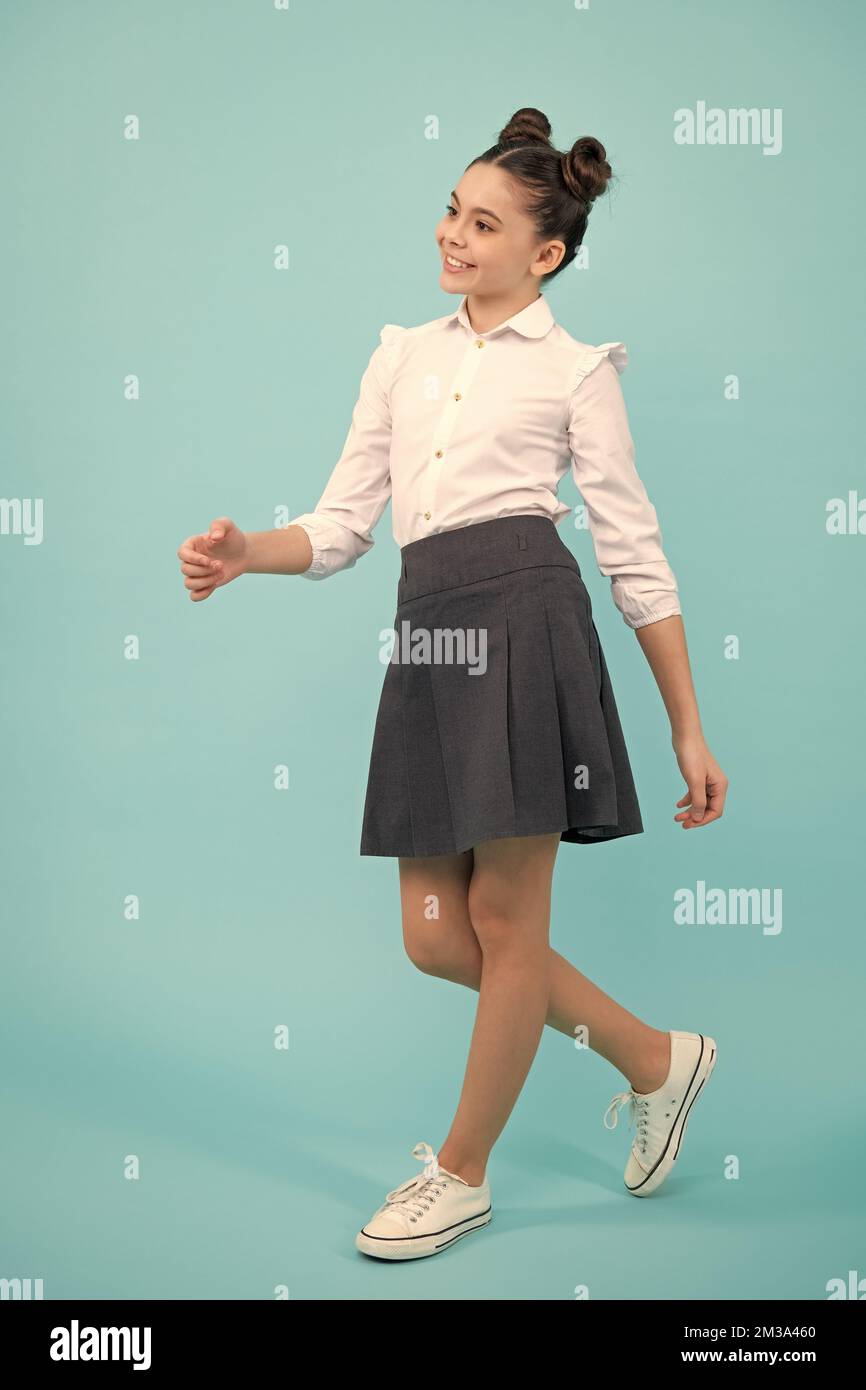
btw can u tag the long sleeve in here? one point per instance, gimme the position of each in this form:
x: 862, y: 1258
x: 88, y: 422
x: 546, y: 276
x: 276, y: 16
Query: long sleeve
x: 340, y: 529
x: 622, y: 520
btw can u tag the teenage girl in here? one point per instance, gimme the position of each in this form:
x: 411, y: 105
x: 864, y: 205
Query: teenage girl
x: 497, y: 735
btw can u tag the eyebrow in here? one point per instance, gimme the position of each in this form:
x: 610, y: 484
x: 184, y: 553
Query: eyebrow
x: 487, y: 211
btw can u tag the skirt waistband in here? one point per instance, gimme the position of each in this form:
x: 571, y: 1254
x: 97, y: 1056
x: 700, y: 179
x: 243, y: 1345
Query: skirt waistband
x: 482, y: 550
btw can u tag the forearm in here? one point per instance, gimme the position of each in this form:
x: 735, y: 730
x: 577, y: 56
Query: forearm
x: 664, y: 645
x: 284, y: 550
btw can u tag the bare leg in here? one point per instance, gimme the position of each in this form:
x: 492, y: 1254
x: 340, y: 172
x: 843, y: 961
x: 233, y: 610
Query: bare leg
x: 509, y: 906
x: 641, y: 1053
x: 440, y: 939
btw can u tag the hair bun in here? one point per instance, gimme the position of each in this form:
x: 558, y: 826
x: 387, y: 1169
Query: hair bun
x: 553, y: 188
x: 526, y: 124
x: 585, y: 168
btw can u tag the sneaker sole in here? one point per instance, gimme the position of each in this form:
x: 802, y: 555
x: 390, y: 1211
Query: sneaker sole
x: 702, y: 1073
x: 416, y: 1247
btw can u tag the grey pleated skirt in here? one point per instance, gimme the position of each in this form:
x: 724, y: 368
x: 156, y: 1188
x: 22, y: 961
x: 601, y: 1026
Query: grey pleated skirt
x: 496, y: 717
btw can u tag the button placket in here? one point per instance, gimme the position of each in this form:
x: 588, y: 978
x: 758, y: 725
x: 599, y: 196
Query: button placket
x: 445, y: 425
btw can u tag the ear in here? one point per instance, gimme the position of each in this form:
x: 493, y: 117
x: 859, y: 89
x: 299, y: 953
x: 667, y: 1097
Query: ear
x: 551, y: 256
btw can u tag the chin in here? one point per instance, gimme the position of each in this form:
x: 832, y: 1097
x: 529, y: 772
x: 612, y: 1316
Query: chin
x: 453, y: 284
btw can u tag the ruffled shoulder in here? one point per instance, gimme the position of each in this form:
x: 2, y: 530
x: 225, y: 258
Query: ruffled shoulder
x: 390, y: 337
x: 589, y: 357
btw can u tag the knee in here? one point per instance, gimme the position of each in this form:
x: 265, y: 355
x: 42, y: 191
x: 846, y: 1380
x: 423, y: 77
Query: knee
x: 492, y: 918
x: 424, y: 953
x: 437, y: 950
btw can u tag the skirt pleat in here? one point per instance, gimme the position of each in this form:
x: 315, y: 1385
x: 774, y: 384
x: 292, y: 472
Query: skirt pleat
x: 522, y: 737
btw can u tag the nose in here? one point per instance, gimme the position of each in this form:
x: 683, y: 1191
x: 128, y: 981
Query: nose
x: 448, y: 238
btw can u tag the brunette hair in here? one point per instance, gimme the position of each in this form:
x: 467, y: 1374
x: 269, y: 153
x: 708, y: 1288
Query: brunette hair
x: 559, y: 186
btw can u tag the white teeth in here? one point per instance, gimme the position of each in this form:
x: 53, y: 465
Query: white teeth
x: 461, y: 265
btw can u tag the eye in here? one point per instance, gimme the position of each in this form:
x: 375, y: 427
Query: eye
x: 487, y: 227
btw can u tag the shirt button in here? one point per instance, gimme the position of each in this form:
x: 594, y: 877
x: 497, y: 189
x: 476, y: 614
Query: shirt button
x: 426, y: 516
x: 457, y: 396
x: 479, y: 342
x: 438, y: 454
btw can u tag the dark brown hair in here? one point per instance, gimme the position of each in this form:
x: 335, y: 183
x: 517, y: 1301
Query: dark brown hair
x: 559, y: 187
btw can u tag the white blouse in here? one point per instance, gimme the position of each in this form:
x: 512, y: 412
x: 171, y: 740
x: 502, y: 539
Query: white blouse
x: 458, y: 427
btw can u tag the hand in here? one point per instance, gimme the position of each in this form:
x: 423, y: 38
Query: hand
x: 213, y: 559
x: 707, y: 784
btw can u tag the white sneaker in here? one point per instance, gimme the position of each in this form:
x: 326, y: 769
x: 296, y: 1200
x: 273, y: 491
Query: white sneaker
x: 427, y: 1214
x: 662, y: 1115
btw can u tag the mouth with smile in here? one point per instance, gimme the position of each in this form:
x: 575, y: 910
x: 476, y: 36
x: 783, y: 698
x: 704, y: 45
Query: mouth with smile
x: 453, y: 266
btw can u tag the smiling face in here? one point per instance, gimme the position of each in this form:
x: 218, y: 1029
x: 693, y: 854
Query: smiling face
x: 497, y: 244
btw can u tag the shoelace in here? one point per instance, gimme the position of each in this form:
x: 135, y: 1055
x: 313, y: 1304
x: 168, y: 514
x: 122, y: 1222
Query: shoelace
x: 410, y: 1197
x: 640, y: 1105
x: 637, y: 1114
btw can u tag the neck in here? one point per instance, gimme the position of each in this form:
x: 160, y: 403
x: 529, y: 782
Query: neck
x: 486, y: 312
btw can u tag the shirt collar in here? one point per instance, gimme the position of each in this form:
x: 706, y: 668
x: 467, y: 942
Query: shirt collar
x: 532, y: 322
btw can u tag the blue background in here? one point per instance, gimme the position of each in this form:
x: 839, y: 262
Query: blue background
x: 155, y: 1037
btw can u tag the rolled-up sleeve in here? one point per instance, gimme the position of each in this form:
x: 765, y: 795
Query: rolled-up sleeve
x: 622, y: 520
x: 341, y: 526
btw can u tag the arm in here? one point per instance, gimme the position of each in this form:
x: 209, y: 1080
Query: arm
x: 320, y: 543
x: 628, y: 545
x: 664, y: 646
x: 622, y: 520
x: 285, y: 550
x: 338, y: 532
